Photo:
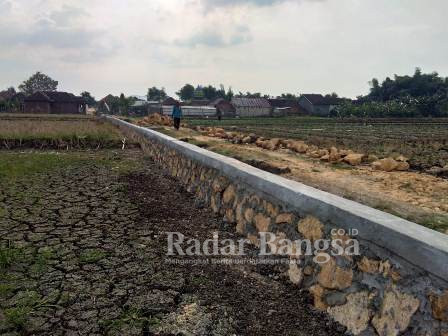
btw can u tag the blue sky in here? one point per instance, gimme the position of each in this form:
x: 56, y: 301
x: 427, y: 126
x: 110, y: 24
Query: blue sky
x: 268, y: 46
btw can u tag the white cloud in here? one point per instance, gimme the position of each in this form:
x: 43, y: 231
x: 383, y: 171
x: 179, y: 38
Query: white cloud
x: 270, y: 46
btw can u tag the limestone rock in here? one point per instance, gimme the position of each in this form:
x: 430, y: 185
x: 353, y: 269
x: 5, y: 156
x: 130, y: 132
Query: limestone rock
x: 284, y: 218
x: 402, y: 166
x: 318, y: 293
x: 355, y: 314
x: 334, y: 155
x: 334, y: 277
x: 353, y: 159
x: 401, y: 158
x: 386, y: 164
x: 368, y: 265
x: 249, y: 215
x: 295, y: 274
x: 262, y: 222
x: 395, y: 313
x: 311, y: 228
x: 230, y: 215
x: 247, y: 140
x: 229, y: 194
x: 271, y: 209
x: 372, y: 158
x: 439, y: 306
x: 297, y: 146
x: 219, y: 184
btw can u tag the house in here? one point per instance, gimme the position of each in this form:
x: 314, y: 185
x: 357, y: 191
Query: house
x: 108, y: 104
x: 286, y: 107
x: 54, y: 102
x: 169, y: 101
x: 139, y: 108
x: 198, y: 102
x: 251, y: 107
x: 223, y: 107
x: 316, y: 104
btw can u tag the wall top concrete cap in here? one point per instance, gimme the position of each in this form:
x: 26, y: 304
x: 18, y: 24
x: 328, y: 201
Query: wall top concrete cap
x: 423, y: 247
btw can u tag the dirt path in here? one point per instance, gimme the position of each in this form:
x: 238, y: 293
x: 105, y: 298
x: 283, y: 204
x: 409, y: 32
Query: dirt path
x: 83, y: 253
x: 415, y: 196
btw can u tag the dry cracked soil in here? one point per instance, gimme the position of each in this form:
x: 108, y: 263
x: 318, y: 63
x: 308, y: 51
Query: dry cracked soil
x: 83, y: 252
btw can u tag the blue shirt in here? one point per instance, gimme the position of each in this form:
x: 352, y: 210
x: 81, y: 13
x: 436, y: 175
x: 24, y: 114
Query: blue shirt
x: 177, y: 112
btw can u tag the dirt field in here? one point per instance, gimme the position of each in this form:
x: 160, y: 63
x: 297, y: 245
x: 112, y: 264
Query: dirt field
x: 83, y: 253
x: 424, y: 141
x: 421, y: 198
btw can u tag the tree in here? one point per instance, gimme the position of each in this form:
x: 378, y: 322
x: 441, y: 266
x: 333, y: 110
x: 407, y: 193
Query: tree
x: 288, y: 96
x: 38, y: 82
x: 124, y: 104
x: 186, y: 92
x: 156, y: 94
x: 88, y: 98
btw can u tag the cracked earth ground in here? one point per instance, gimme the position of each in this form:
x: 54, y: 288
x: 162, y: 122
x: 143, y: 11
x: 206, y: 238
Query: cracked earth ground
x: 82, y: 252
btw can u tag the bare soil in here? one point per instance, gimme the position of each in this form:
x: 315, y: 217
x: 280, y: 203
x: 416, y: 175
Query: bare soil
x: 83, y: 252
x: 419, y: 197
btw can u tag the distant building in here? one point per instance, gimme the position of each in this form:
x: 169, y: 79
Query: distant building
x: 251, y: 107
x: 223, y: 107
x: 286, y: 107
x: 54, y: 102
x: 139, y: 108
x: 169, y: 101
x: 318, y: 105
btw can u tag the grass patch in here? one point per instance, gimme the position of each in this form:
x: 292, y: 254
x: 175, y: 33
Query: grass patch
x: 6, y: 289
x: 26, y: 303
x: 91, y: 256
x: 15, y: 165
x: 64, y: 130
x: 41, y: 260
x: 436, y: 222
x: 10, y: 255
x: 129, y: 318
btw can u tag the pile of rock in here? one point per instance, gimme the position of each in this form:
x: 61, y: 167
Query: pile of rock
x: 388, y: 164
x: 333, y: 155
x: 155, y: 119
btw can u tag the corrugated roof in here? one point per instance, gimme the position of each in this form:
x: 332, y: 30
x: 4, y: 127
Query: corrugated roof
x: 251, y: 102
x: 54, y: 96
x: 284, y: 102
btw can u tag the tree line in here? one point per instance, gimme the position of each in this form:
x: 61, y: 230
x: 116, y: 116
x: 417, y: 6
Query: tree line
x: 419, y: 95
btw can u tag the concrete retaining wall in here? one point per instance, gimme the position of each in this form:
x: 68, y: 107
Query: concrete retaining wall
x: 397, y: 285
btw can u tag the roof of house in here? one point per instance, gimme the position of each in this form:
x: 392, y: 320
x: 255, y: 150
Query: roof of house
x: 216, y: 101
x: 198, y: 102
x: 169, y: 101
x: 318, y: 99
x: 108, y: 98
x: 251, y: 102
x: 139, y: 103
x: 284, y: 102
x: 54, y: 97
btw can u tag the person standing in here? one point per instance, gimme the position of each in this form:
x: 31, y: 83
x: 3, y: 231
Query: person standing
x: 176, y: 115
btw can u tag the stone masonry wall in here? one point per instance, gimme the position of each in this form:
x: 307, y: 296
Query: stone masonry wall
x: 375, y: 293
